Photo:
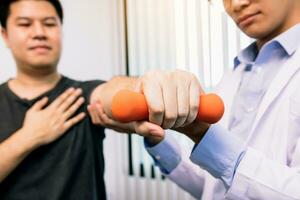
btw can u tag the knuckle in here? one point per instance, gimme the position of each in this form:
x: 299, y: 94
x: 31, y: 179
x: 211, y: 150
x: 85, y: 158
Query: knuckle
x: 179, y: 122
x: 168, y: 124
x: 170, y: 116
x: 194, y: 108
x: 193, y: 76
x: 183, y: 113
x: 157, y: 110
x: 191, y: 118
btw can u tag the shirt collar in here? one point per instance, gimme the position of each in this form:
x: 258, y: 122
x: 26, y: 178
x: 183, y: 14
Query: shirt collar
x: 288, y: 44
x: 249, y: 54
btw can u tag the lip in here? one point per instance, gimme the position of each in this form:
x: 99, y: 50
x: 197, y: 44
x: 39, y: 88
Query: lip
x: 40, y: 48
x: 246, y: 20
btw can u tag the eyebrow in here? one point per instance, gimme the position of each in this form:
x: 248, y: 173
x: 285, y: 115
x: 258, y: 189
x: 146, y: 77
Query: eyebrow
x: 28, y: 18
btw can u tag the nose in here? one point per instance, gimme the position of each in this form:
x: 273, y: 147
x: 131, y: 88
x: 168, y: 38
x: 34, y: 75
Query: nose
x: 39, y: 31
x: 238, y: 5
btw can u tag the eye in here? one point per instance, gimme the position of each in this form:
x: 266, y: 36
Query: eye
x: 50, y: 24
x: 24, y: 24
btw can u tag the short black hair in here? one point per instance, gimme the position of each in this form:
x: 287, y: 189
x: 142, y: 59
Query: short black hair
x: 5, y: 10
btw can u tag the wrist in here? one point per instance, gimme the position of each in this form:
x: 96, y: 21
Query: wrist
x: 194, y: 131
x: 26, y: 140
x: 153, y: 140
x: 199, y: 132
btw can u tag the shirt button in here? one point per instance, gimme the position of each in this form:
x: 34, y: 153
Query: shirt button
x: 157, y: 157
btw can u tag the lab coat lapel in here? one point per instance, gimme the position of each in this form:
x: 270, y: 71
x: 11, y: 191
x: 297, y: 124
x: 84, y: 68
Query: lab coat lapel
x: 282, y: 78
x: 232, y: 83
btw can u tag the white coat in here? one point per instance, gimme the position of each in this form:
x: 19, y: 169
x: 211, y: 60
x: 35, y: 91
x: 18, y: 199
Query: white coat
x: 270, y: 168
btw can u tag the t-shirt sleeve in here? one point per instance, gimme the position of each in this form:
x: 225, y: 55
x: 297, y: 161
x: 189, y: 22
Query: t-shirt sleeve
x: 88, y: 87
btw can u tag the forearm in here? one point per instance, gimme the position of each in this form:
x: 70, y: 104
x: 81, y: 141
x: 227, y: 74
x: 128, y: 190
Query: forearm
x: 105, y: 92
x: 13, y: 151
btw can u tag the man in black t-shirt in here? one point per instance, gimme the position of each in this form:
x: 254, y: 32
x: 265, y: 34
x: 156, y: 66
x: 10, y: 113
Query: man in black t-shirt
x: 49, y: 149
x: 73, y: 164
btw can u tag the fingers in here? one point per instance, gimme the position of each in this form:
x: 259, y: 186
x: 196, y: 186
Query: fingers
x: 58, y: 101
x: 194, y: 94
x: 146, y: 129
x: 68, y: 101
x: 183, y: 99
x: 154, y: 97
x: 102, y: 117
x: 170, y: 104
x: 94, y: 112
x: 99, y: 117
x: 39, y: 104
x: 73, y: 108
x: 71, y: 122
x: 172, y: 97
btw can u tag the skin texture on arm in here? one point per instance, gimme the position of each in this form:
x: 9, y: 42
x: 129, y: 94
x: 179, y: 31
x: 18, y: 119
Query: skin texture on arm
x: 105, y: 92
x: 172, y: 98
x: 100, y: 102
x: 40, y: 127
x: 195, y: 131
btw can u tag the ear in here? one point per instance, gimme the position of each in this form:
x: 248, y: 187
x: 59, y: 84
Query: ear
x: 5, y: 36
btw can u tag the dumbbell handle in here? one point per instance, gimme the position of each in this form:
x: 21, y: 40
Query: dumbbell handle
x: 128, y: 106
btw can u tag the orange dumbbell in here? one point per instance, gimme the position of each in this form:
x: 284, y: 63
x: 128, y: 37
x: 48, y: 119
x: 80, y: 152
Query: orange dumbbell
x: 128, y: 106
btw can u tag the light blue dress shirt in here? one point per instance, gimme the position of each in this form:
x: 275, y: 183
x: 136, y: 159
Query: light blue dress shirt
x: 221, y: 149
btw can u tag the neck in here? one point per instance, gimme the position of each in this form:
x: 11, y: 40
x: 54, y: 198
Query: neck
x: 293, y: 19
x: 30, y: 86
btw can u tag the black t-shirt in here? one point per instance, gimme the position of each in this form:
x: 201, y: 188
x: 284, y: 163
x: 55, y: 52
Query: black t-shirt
x: 72, y: 167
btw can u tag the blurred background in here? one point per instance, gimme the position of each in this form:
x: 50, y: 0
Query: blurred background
x: 103, y: 38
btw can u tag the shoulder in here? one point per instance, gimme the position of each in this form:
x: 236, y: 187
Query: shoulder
x: 3, y: 89
x: 86, y: 86
x: 89, y: 84
x: 3, y: 86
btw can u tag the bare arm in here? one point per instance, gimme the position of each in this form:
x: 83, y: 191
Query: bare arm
x: 172, y: 98
x: 41, y: 126
x: 105, y: 92
x: 13, y: 151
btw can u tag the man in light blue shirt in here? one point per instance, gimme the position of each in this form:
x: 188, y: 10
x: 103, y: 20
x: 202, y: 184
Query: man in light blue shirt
x: 254, y: 151
x: 261, y: 67
x: 222, y: 147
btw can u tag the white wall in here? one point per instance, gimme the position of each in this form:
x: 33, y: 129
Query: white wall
x: 93, y: 45
x: 91, y: 41
x: 7, y: 65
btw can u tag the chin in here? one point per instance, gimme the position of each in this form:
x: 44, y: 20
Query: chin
x: 43, y: 63
x: 259, y: 31
x: 43, y: 66
x: 256, y: 34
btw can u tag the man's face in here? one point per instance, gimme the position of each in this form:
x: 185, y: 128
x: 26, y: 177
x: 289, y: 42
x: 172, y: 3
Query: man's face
x: 261, y: 19
x: 33, y: 33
